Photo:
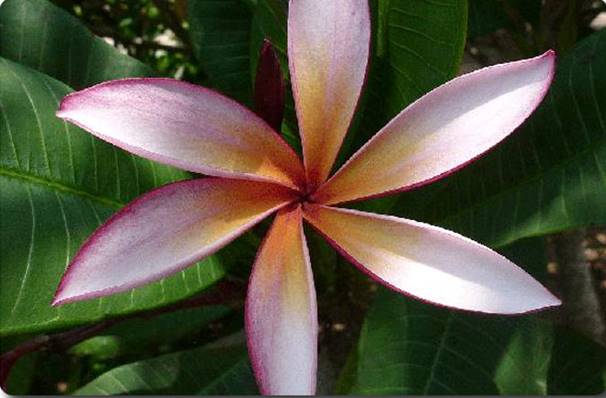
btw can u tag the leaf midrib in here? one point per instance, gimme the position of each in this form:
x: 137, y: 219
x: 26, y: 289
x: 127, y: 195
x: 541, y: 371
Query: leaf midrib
x: 57, y: 186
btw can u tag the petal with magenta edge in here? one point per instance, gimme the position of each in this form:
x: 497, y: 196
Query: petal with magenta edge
x: 165, y: 231
x: 443, y: 131
x: 281, y: 311
x: 185, y: 126
x: 430, y: 263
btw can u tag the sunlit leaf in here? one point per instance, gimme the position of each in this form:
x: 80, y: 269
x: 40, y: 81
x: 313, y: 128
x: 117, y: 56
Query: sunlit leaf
x: 201, y: 371
x: 42, y: 36
x: 58, y: 183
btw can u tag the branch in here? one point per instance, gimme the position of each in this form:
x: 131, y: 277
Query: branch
x: 58, y: 341
x: 580, y: 303
x: 225, y: 292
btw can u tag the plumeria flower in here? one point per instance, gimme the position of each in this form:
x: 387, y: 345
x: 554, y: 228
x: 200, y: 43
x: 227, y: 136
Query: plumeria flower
x: 254, y: 173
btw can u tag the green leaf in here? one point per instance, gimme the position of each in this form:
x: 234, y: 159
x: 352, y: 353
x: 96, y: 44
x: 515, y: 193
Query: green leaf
x: 577, y: 367
x: 411, y: 348
x: 407, y: 347
x: 137, y: 335
x: 416, y: 47
x: 270, y: 21
x: 42, y: 36
x: 220, y: 35
x: 57, y: 184
x: 201, y: 371
x: 524, y: 365
x: 549, y: 176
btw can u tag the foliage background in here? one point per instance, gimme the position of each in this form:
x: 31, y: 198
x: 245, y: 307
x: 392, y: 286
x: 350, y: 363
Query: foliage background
x: 538, y: 198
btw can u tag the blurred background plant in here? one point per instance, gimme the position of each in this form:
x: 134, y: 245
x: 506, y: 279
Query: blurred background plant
x: 188, y: 338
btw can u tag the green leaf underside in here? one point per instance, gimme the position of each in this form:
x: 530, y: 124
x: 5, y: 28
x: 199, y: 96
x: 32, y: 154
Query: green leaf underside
x: 58, y: 183
x: 42, y: 36
x: 201, y: 371
x: 220, y: 35
x: 550, y: 175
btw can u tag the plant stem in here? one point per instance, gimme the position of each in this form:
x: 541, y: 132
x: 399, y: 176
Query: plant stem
x: 225, y: 292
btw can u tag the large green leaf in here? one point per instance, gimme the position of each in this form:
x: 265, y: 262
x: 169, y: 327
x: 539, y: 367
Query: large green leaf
x: 57, y: 184
x: 407, y: 347
x: 417, y: 45
x: 577, y: 367
x: 220, y: 35
x: 201, y: 371
x: 548, y: 176
x: 42, y: 36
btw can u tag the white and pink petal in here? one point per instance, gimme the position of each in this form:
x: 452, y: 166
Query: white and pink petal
x: 281, y: 313
x: 430, y: 263
x: 443, y: 130
x: 185, y: 126
x: 328, y: 50
x: 165, y: 231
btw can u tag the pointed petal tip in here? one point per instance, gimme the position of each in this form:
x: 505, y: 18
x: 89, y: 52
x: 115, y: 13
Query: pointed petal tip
x: 543, y: 300
x: 62, y: 299
x: 59, y: 301
x: 56, y: 302
x: 549, y: 53
x: 267, y: 45
x: 59, y: 297
x: 539, y: 299
x: 62, y: 109
x: 548, y: 57
x: 549, y: 301
x: 62, y: 295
